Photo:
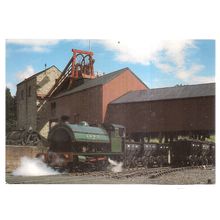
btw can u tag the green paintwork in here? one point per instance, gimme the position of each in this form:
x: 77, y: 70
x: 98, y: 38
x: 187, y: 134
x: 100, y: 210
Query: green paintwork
x: 116, y: 144
x: 81, y: 158
x: 83, y: 133
x: 83, y: 137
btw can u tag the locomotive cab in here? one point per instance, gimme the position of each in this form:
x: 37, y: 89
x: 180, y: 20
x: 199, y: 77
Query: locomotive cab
x: 117, y: 137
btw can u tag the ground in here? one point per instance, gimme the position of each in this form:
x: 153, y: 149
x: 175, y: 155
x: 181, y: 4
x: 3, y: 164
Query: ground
x: 200, y: 175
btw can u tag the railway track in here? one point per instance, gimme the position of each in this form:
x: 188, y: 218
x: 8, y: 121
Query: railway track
x: 172, y: 170
x: 134, y: 175
x: 140, y: 171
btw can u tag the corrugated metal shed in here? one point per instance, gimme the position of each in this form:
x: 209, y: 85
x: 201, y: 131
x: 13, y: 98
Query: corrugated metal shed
x: 177, y: 92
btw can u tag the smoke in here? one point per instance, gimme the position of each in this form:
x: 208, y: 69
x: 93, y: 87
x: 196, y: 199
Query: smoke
x: 116, y: 167
x: 33, y: 167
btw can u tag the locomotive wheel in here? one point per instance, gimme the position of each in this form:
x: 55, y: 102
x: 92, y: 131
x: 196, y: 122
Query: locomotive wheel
x: 101, y: 165
x: 41, y: 156
x: 69, y: 167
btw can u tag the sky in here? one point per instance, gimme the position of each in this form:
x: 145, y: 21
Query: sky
x: 158, y: 63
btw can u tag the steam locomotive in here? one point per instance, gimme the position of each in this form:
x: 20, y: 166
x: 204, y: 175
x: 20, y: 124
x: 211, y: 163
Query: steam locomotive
x: 84, y: 147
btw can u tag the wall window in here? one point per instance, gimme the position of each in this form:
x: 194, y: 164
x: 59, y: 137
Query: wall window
x: 29, y: 91
x: 53, y: 108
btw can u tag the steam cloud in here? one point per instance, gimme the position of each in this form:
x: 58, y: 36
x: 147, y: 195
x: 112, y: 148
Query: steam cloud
x: 33, y: 167
x: 115, y: 166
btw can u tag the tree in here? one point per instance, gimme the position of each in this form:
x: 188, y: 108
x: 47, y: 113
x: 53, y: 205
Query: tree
x: 10, y: 111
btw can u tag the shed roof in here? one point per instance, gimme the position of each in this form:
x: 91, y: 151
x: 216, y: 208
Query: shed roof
x: 177, y: 92
x: 101, y: 80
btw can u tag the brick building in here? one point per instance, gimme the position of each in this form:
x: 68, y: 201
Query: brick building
x: 89, y: 100
x: 30, y: 97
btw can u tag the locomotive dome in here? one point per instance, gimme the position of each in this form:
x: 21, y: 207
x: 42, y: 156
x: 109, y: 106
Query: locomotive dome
x: 84, y: 123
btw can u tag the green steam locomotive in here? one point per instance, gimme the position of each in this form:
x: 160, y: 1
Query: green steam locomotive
x: 84, y: 147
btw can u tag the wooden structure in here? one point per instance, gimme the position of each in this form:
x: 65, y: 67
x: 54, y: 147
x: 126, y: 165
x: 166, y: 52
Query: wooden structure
x: 166, y: 112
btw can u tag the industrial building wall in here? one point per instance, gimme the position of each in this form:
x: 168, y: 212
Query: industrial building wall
x: 32, y: 110
x: 85, y: 105
x: 45, y: 82
x: 14, y: 153
x: 26, y: 104
x: 119, y: 86
x: 194, y: 114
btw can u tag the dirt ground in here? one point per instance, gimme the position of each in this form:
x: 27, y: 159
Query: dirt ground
x: 189, y: 176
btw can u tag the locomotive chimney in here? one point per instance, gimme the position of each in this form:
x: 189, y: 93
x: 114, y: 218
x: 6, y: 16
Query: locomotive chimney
x: 64, y: 119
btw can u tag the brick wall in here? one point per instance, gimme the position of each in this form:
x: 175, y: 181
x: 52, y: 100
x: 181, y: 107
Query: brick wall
x: 15, y: 153
x: 85, y: 105
x: 119, y: 86
x: 90, y: 105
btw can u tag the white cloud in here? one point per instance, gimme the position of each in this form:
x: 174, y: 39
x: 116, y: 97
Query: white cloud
x: 168, y: 56
x: 11, y: 86
x: 146, y: 51
x: 33, y: 45
x: 134, y: 51
x: 186, y: 74
x: 24, y: 74
x: 202, y: 79
x: 164, y: 67
x: 191, y: 75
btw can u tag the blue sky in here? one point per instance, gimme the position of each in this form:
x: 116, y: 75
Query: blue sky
x: 158, y: 63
